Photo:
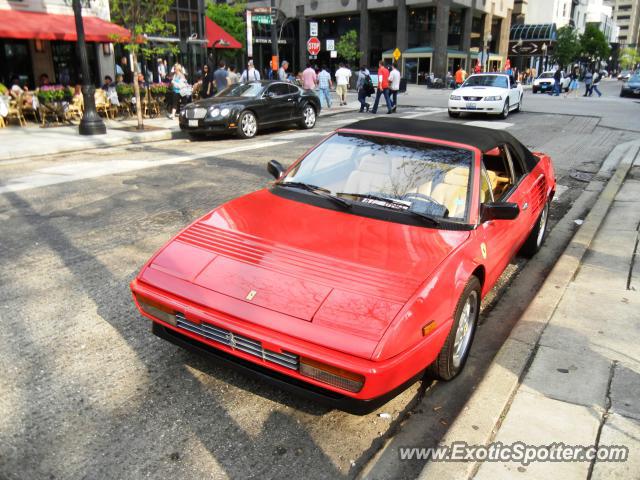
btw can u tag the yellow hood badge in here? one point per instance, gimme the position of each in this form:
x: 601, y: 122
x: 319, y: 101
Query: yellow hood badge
x: 251, y: 294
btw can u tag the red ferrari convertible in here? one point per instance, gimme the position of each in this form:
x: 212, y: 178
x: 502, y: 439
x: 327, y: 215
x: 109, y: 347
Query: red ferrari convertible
x: 361, y: 266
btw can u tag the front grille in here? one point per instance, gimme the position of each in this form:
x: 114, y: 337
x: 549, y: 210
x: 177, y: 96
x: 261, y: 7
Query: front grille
x: 238, y: 342
x: 472, y: 99
x: 196, y: 113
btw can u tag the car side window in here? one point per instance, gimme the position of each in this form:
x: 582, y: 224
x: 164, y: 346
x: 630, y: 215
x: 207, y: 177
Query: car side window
x: 516, y: 163
x: 279, y: 89
x: 486, y: 190
x: 292, y: 89
x: 497, y: 164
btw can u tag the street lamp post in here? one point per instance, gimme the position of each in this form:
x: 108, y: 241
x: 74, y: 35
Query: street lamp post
x: 91, y: 123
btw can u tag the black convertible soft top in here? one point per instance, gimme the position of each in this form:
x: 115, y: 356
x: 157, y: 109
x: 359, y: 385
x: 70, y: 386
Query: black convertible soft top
x: 482, y: 138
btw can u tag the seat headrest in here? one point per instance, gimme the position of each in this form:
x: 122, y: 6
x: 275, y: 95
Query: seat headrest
x: 458, y: 176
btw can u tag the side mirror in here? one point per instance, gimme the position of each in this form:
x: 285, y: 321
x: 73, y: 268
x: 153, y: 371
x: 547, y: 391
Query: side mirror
x: 275, y: 168
x: 499, y: 211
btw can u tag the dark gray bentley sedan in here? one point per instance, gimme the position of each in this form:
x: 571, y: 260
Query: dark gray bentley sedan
x: 244, y: 108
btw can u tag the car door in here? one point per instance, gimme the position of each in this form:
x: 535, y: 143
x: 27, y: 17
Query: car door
x: 279, y: 103
x: 514, y: 92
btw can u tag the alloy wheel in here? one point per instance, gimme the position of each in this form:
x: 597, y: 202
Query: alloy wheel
x: 249, y: 124
x: 309, y: 116
x: 464, y: 332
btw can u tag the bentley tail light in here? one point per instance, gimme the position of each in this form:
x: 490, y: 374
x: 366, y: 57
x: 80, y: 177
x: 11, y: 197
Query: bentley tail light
x: 331, y: 375
x: 157, y: 310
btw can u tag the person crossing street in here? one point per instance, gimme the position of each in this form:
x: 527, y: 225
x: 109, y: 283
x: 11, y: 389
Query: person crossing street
x: 383, y: 88
x: 394, y: 86
x: 325, y: 84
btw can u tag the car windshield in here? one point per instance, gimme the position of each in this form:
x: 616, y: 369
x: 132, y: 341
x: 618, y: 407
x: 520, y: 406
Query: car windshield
x: 241, y: 90
x: 390, y: 173
x: 486, y: 81
x: 546, y: 75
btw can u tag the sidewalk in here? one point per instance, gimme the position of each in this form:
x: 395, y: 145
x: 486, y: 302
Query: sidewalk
x: 574, y: 378
x: 32, y: 140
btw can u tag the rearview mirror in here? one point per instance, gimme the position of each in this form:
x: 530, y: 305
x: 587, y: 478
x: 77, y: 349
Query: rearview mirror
x: 275, y: 168
x: 499, y: 211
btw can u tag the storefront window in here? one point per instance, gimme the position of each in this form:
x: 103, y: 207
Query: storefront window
x: 15, y: 61
x: 67, y: 66
x: 382, y: 34
x: 422, y: 26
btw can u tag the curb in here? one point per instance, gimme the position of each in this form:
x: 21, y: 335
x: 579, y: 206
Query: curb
x: 482, y: 415
x: 104, y: 142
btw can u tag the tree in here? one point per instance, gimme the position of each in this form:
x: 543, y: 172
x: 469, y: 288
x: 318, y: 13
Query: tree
x: 629, y: 58
x: 567, y: 46
x: 230, y: 18
x: 347, y: 46
x: 593, y: 43
x: 142, y: 17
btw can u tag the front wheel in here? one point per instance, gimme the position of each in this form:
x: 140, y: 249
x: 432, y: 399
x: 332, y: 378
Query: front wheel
x: 308, y: 117
x: 454, y: 114
x: 455, y: 350
x: 536, y: 237
x: 505, y: 110
x: 247, y: 125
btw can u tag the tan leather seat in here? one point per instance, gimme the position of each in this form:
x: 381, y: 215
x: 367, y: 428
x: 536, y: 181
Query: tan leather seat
x: 452, y: 191
x: 372, y: 175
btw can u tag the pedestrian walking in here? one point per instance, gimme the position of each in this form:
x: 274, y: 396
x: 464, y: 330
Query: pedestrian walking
x: 461, y: 75
x: 162, y: 70
x: 250, y: 74
x: 342, y: 83
x: 588, y: 80
x: 282, y: 71
x: 180, y: 89
x: 220, y: 76
x: 394, y: 86
x: 383, y: 88
x: 207, y: 79
x: 557, y: 79
x: 325, y: 84
x: 573, y: 85
x: 594, y: 86
x: 309, y: 78
x: 364, y: 86
x: 234, y: 77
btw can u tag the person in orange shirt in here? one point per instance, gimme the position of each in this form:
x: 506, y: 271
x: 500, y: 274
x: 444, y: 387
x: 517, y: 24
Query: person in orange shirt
x: 383, y: 88
x: 461, y: 75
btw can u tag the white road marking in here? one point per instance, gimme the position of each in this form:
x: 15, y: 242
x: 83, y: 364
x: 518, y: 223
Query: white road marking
x: 422, y: 114
x: 71, y: 172
x: 311, y: 133
x: 493, y: 125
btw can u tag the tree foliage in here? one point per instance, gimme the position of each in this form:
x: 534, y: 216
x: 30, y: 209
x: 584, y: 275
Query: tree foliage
x: 629, y: 58
x: 593, y: 43
x: 567, y: 47
x: 230, y: 18
x: 347, y: 46
x: 142, y: 17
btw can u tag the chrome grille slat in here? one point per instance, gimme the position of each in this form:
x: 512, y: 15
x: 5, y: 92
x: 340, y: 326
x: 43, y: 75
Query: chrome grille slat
x: 238, y: 342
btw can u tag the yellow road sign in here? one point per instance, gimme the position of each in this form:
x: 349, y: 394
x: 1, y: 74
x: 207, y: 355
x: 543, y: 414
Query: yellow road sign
x: 396, y: 54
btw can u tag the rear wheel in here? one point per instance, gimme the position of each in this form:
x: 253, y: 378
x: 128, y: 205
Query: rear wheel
x: 247, y: 125
x: 519, y: 107
x: 455, y: 350
x: 308, y: 117
x: 536, y: 237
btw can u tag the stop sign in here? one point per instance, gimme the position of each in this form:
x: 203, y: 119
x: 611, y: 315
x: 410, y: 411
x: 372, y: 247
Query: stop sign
x: 313, y: 46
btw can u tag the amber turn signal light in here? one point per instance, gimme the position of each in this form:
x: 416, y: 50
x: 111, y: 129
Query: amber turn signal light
x: 331, y: 375
x: 428, y: 328
x: 157, y: 310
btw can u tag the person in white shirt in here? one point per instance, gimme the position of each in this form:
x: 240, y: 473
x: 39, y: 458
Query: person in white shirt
x: 394, y: 86
x: 250, y: 74
x: 342, y: 83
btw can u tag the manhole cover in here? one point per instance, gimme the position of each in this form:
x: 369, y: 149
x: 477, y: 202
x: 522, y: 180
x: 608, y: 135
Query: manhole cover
x: 581, y: 176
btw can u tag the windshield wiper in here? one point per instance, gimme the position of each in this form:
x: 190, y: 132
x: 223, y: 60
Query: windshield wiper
x: 407, y: 209
x: 320, y: 191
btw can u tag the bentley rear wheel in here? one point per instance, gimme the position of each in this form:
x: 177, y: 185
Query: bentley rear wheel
x: 455, y: 350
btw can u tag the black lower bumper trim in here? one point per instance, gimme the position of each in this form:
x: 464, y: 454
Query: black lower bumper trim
x: 285, y: 382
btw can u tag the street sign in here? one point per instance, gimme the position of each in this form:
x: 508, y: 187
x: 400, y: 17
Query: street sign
x: 333, y: 53
x: 262, y: 19
x: 313, y: 29
x: 331, y: 45
x: 396, y: 54
x: 313, y: 46
x: 261, y: 10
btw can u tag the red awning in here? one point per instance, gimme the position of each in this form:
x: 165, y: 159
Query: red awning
x: 215, y: 32
x: 49, y: 26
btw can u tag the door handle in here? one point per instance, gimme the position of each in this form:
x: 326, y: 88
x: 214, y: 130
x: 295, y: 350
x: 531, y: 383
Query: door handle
x: 525, y: 205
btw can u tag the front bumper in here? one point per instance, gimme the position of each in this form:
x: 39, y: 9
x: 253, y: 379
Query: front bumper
x: 208, y: 124
x: 628, y: 91
x: 543, y: 87
x: 382, y: 379
x: 481, y: 106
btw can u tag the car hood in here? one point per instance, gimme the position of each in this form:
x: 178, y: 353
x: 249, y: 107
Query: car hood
x: 207, y: 102
x: 342, y: 272
x: 538, y: 80
x: 480, y: 91
x: 633, y: 84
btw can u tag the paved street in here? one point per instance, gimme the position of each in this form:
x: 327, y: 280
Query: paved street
x: 88, y: 392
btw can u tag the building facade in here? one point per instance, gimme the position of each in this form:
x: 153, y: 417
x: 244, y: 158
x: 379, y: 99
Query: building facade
x: 432, y: 35
x: 44, y: 43
x: 597, y: 12
x: 626, y: 14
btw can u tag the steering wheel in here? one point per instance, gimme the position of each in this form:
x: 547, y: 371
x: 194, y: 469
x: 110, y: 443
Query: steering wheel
x: 421, y: 196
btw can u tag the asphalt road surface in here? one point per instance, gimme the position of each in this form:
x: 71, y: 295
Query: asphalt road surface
x: 86, y: 391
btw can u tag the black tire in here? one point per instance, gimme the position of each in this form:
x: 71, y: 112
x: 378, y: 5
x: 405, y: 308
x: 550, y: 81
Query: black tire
x: 505, y: 110
x: 244, y: 130
x: 445, y: 366
x: 309, y: 117
x: 533, y: 90
x: 538, y: 232
x: 454, y: 114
